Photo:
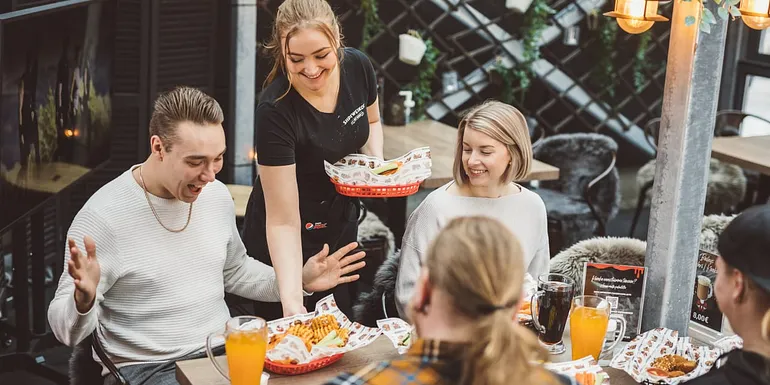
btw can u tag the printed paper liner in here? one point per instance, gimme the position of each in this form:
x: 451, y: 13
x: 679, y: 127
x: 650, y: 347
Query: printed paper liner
x: 292, y: 348
x: 398, y: 331
x: 584, y: 365
x: 639, y: 354
x: 728, y: 344
x: 356, y: 169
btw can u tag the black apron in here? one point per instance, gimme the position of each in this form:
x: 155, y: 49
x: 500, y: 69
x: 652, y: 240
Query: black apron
x: 332, y: 221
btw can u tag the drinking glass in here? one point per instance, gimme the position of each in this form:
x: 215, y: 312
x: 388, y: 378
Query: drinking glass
x: 588, y: 326
x: 550, y: 309
x: 245, y: 347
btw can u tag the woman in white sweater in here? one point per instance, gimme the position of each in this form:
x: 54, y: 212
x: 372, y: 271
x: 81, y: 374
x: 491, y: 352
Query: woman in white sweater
x: 493, y: 150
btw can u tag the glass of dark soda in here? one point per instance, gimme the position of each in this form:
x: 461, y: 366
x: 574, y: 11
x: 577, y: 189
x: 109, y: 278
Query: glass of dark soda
x: 550, y: 308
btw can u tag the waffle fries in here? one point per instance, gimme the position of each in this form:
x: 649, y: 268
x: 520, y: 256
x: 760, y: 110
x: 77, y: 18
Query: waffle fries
x: 314, y: 331
x: 303, y: 332
x: 322, y: 326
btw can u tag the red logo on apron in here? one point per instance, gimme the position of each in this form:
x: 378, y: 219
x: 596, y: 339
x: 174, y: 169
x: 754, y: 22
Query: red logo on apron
x: 315, y: 226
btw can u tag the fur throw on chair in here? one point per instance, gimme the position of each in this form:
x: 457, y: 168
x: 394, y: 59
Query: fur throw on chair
x: 372, y: 227
x: 83, y: 370
x: 712, y: 226
x: 368, y: 308
x: 620, y: 251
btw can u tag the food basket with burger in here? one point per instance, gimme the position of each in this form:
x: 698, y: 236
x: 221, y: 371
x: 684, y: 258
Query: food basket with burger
x: 359, y: 175
x: 660, y: 356
x: 307, y: 342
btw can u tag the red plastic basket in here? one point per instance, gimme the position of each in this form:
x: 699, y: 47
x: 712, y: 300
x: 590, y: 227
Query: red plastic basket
x: 291, y: 370
x: 377, y: 191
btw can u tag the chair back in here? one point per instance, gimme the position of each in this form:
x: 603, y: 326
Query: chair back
x: 581, y: 158
x: 729, y: 122
x: 83, y: 369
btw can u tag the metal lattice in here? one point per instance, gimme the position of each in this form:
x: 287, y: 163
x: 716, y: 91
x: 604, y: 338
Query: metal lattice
x: 574, y: 89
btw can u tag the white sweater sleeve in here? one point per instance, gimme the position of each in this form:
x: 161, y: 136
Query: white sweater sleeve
x: 540, y: 264
x: 408, y: 272
x: 68, y: 325
x: 420, y: 230
x: 245, y: 276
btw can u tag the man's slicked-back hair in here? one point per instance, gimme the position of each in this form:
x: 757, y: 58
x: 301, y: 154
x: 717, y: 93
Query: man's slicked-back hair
x: 182, y: 104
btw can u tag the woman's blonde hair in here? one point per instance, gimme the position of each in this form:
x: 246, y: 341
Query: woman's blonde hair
x: 479, y: 263
x: 292, y: 16
x: 501, y: 122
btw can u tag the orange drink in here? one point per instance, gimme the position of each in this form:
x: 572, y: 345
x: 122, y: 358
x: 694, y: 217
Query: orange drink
x: 245, y: 346
x: 589, y: 318
x: 245, y: 357
x: 588, y: 327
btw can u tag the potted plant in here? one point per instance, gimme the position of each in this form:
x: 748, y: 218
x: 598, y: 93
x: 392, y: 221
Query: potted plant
x: 520, y: 6
x: 411, y: 47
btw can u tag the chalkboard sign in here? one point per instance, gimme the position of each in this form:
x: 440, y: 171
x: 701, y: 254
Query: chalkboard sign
x: 704, y: 305
x: 707, y: 323
x: 622, y: 286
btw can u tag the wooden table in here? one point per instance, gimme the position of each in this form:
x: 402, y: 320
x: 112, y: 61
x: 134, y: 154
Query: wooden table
x: 48, y: 178
x: 748, y: 152
x: 441, y: 139
x: 240, y: 195
x: 201, y: 371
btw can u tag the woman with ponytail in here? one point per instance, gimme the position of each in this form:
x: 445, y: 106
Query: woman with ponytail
x: 465, y: 298
x: 319, y: 103
x: 742, y: 291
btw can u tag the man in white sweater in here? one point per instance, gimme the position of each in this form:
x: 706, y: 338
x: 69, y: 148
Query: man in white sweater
x: 152, y: 253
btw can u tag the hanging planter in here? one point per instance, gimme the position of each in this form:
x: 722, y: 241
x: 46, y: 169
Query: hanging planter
x: 411, y: 47
x: 520, y: 6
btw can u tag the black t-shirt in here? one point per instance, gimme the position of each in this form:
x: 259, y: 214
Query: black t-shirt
x: 291, y: 131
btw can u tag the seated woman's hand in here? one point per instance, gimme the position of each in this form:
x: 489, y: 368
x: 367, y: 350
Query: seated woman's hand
x: 323, y: 271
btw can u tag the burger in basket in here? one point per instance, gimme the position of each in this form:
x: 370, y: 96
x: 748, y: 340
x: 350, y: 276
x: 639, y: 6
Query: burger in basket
x: 360, y: 175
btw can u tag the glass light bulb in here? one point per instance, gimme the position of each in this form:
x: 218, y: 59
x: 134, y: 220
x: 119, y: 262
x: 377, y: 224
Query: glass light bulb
x: 637, y: 11
x: 634, y: 26
x: 755, y: 7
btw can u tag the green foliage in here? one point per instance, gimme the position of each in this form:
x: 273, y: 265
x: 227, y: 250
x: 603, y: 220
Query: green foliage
x: 100, y: 111
x: 605, y: 75
x: 640, y: 61
x: 707, y: 18
x: 421, y: 87
x: 535, y: 22
x: 46, y: 128
x: 372, y: 22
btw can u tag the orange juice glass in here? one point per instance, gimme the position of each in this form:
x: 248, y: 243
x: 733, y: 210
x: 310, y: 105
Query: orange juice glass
x: 589, y: 318
x: 245, y: 346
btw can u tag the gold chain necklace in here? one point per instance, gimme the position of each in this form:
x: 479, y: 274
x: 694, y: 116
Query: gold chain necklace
x: 147, y: 195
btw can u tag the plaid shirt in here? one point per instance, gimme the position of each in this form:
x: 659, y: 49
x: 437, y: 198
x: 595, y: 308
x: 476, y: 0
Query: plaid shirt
x: 428, y: 362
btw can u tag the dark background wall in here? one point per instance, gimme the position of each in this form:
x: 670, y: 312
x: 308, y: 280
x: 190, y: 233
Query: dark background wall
x: 158, y: 44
